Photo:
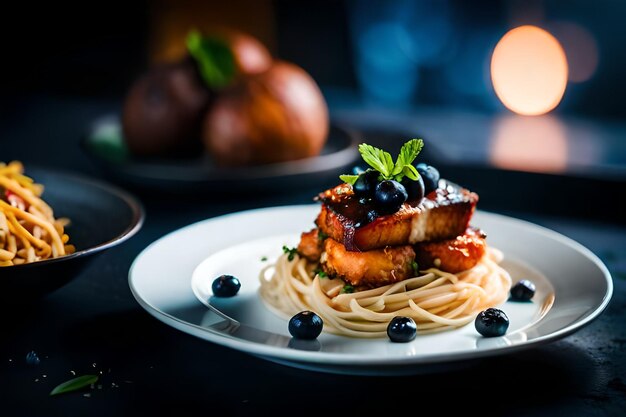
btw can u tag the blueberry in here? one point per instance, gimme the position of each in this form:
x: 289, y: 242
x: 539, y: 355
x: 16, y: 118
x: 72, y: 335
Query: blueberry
x: 491, y: 322
x: 305, y: 325
x: 414, y: 189
x: 401, y: 329
x: 32, y: 358
x: 365, y: 185
x: 371, y: 216
x: 225, y: 286
x: 430, y: 175
x: 524, y: 290
x: 389, y: 196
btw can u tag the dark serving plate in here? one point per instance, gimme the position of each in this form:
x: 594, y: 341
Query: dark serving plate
x: 105, y: 144
x: 101, y: 215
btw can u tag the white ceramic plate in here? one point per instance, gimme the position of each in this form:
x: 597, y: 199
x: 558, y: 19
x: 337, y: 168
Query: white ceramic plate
x: 172, y: 279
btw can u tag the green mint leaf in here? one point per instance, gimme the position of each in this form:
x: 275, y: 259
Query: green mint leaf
x: 378, y: 159
x: 321, y: 235
x: 404, y: 164
x: 411, y: 172
x: 381, y: 162
x: 409, y: 152
x: 214, y: 58
x: 347, y: 289
x: 74, y: 384
x: 349, y: 179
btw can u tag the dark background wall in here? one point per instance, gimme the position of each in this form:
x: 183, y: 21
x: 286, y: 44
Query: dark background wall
x: 98, y: 48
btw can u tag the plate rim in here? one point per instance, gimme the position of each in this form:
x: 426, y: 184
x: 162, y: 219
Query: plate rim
x: 333, y: 359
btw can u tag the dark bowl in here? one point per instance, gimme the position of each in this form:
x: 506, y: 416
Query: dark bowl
x: 102, y: 216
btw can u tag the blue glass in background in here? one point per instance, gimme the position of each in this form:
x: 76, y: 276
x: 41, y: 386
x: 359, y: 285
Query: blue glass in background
x: 392, y: 40
x: 467, y: 78
x: 411, y: 52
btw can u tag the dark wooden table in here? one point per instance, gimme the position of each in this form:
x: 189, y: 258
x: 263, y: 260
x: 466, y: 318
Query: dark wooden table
x: 94, y: 325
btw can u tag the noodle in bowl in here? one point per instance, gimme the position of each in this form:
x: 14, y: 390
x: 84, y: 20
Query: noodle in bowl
x: 436, y: 300
x: 29, y: 231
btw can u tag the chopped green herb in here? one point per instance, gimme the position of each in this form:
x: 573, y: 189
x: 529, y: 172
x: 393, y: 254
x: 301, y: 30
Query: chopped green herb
x: 263, y: 258
x: 291, y: 251
x: 321, y: 235
x: 347, y: 289
x: 74, y: 384
x: 415, y: 267
x: 382, y: 162
x: 319, y: 272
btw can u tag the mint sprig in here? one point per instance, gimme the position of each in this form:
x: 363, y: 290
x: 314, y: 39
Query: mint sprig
x: 215, y: 60
x: 378, y: 159
x: 382, y: 162
x: 348, y: 179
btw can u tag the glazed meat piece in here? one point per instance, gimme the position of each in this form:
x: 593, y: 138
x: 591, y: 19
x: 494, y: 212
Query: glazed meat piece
x: 368, y: 269
x: 452, y: 255
x: 310, y: 245
x: 443, y: 214
x: 379, y: 267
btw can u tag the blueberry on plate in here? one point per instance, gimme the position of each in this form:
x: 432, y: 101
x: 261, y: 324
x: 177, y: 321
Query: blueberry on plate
x: 365, y: 185
x: 492, y: 322
x: 225, y: 286
x: 415, y: 189
x: 524, y: 290
x: 401, y: 329
x: 389, y: 196
x: 306, y: 325
x: 430, y: 175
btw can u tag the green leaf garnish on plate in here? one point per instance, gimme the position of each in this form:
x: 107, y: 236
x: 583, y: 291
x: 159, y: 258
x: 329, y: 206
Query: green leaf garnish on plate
x: 74, y: 384
x: 108, y: 143
x: 347, y: 289
x: 291, y: 251
x: 382, y: 162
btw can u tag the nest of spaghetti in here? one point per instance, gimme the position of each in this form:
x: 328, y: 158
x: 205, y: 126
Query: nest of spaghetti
x: 29, y: 231
x: 425, y: 262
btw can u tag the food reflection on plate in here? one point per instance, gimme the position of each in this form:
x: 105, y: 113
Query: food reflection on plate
x: 227, y: 98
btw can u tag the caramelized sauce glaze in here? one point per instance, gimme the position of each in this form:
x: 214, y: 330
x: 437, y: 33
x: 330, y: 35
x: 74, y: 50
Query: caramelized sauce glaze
x: 355, y: 213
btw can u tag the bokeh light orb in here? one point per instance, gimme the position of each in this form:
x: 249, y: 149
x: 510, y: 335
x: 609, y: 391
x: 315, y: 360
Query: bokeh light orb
x: 529, y: 70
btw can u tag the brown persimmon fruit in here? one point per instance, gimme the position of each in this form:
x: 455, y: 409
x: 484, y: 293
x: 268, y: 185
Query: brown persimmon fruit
x: 274, y: 116
x: 250, y: 55
x: 163, y: 111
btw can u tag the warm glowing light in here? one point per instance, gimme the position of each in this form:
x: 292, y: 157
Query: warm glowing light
x: 529, y: 71
x: 534, y: 144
